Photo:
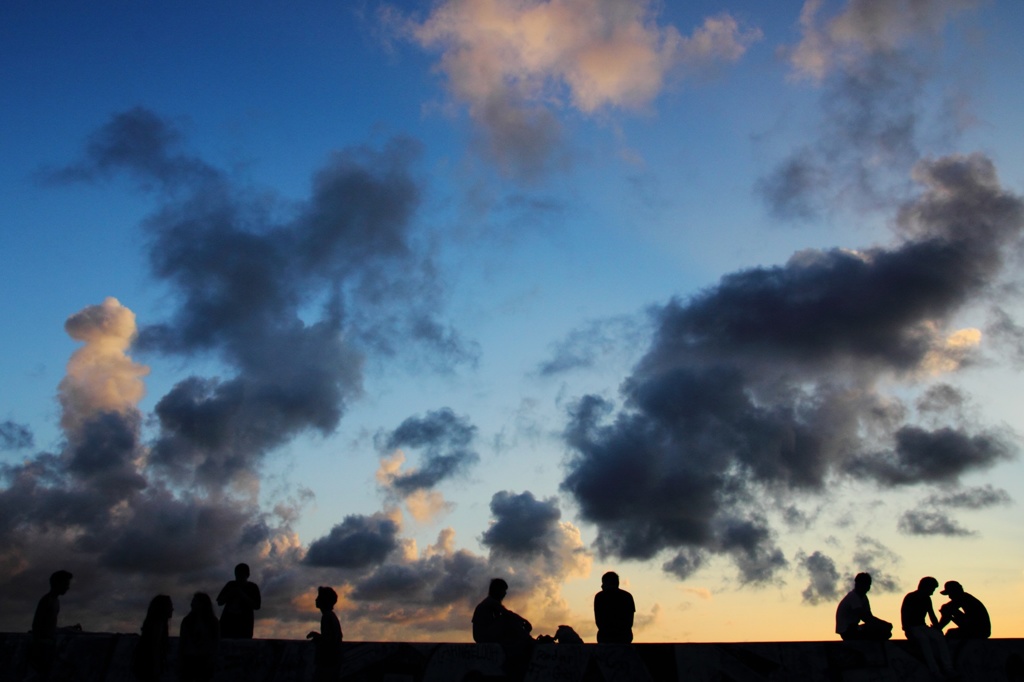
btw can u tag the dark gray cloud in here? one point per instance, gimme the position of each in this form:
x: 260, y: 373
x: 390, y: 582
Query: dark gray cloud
x: 942, y: 400
x: 15, y: 436
x: 930, y: 522
x: 247, y: 275
x: 523, y: 525
x: 980, y: 497
x: 357, y: 542
x: 824, y: 578
x: 939, y: 456
x: 934, y: 515
x: 445, y: 439
x: 435, y: 580
x: 143, y: 144
x: 768, y: 382
x: 293, y: 298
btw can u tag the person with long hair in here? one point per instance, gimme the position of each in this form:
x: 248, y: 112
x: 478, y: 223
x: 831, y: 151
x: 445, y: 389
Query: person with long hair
x: 150, y: 656
x: 198, y: 641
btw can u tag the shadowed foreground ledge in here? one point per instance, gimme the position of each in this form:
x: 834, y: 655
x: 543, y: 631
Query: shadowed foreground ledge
x: 106, y: 657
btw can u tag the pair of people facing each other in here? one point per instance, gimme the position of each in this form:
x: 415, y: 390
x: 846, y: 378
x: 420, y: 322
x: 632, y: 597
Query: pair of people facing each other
x: 613, y: 611
x: 855, y: 621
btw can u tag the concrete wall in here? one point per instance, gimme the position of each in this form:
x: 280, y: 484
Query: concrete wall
x: 105, y: 657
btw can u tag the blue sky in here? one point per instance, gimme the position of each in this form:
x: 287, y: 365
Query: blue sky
x: 398, y: 297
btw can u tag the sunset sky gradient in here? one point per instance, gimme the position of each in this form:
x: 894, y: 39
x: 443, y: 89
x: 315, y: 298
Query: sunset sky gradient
x: 398, y: 297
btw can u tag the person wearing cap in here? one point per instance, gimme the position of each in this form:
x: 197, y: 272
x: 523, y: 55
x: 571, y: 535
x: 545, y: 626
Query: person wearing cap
x: 967, y: 611
x: 928, y: 637
x: 854, y: 619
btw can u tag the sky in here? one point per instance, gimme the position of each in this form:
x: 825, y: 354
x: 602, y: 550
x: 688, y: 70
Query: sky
x: 398, y: 297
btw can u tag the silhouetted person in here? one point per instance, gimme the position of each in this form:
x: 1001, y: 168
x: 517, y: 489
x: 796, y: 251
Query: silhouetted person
x: 967, y: 611
x: 927, y: 636
x: 198, y: 641
x: 854, y: 619
x: 150, y: 656
x: 613, y: 612
x: 43, y: 649
x: 240, y: 598
x: 492, y: 622
x: 327, y: 659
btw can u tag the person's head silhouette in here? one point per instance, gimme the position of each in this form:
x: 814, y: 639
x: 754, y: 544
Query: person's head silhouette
x: 862, y: 583
x: 202, y: 605
x: 326, y: 598
x: 60, y: 582
x: 497, y: 589
x: 610, y: 580
x: 242, y: 572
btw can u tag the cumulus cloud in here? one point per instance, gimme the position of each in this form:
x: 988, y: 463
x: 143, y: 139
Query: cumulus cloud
x: 356, y: 542
x: 434, y: 591
x: 445, y: 440
x: 509, y: 61
x: 247, y: 277
x: 523, y: 525
x: 98, y: 508
x: 293, y: 298
x: 824, y: 578
x: 100, y: 376
x: 770, y: 381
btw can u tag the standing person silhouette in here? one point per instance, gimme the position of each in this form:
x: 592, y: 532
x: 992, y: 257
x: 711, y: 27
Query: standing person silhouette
x: 240, y: 598
x: 150, y: 656
x: 43, y: 649
x: 854, y: 619
x: 613, y: 612
x: 198, y: 641
x: 327, y: 658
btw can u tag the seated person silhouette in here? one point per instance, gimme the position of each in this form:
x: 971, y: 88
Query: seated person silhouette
x: 492, y: 622
x: 43, y: 649
x: 198, y: 641
x: 613, y: 611
x: 854, y: 620
x: 240, y: 598
x: 967, y: 611
x: 927, y: 636
x: 327, y: 659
